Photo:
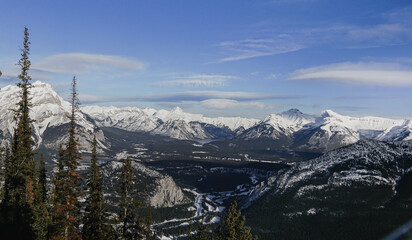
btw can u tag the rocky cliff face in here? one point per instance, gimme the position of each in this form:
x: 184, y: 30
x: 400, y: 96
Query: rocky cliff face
x: 167, y: 193
x: 159, y: 189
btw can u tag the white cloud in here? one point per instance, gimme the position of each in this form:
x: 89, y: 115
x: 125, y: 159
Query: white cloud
x: 197, y: 81
x: 369, y: 74
x: 230, y: 103
x: 74, y: 63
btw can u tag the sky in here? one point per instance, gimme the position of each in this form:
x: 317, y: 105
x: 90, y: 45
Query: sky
x: 219, y: 58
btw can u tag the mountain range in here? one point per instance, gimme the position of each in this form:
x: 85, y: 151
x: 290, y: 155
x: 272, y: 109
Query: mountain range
x: 289, y: 130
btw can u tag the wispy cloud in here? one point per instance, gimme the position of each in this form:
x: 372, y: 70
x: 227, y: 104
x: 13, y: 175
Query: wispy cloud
x: 251, y: 48
x: 191, y: 96
x: 266, y: 39
x: 202, y: 80
x: 230, y: 104
x: 369, y: 74
x: 75, y: 63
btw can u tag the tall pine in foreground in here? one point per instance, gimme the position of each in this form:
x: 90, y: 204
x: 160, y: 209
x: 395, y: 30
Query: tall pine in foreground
x: 67, y: 208
x: 56, y: 228
x: 41, y: 213
x: 95, y: 224
x: 128, y: 221
x: 17, y: 206
x: 233, y: 226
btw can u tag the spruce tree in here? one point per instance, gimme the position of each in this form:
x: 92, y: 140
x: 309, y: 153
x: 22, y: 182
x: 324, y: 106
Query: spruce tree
x: 17, y: 206
x: 147, y: 228
x: 72, y: 180
x: 128, y: 220
x: 95, y: 227
x: 41, y: 213
x: 233, y: 226
x: 67, y: 210
x: 56, y: 229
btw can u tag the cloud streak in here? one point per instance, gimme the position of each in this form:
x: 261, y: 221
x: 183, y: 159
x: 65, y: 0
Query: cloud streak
x: 251, y: 48
x: 395, y: 29
x: 368, y: 74
x: 75, y: 63
x: 231, y: 104
x: 190, y: 96
x: 197, y: 81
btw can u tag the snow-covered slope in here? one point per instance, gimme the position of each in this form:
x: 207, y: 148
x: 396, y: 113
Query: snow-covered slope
x: 50, y: 114
x: 174, y: 123
x: 332, y: 130
x: 290, y: 130
x: 279, y: 125
x: 361, y: 191
x: 128, y: 118
x: 367, y: 162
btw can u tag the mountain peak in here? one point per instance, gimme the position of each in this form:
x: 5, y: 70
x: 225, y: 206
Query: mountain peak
x: 291, y: 112
x: 329, y: 113
x: 177, y: 110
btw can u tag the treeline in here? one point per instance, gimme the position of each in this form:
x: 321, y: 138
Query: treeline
x: 29, y: 210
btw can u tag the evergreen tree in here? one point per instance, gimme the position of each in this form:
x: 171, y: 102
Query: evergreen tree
x: 201, y: 233
x: 95, y: 227
x: 128, y: 220
x: 4, y: 156
x: 233, y: 226
x: 67, y: 212
x: 57, y: 199
x: 17, y: 206
x: 41, y: 213
x: 147, y: 229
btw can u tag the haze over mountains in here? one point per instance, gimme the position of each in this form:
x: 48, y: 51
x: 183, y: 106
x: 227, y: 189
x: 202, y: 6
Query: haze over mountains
x: 289, y: 130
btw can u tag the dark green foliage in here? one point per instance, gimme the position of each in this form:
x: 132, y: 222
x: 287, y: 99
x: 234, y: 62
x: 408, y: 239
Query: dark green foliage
x: 17, y: 205
x: 201, y: 233
x: 233, y: 226
x: 95, y: 223
x: 66, y: 209
x: 41, y: 213
x: 130, y: 226
x: 57, y: 198
x: 148, y: 233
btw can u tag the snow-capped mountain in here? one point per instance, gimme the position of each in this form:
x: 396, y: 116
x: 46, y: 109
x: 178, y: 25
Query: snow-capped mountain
x: 50, y: 114
x: 174, y: 123
x: 274, y: 126
x: 332, y: 130
x: 290, y: 130
x: 327, y: 132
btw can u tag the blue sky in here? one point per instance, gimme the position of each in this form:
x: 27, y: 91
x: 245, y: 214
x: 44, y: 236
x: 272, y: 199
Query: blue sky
x: 220, y: 58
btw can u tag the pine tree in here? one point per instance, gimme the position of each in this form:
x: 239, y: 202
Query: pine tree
x: 200, y: 233
x: 41, y: 213
x: 4, y: 156
x: 57, y: 198
x: 72, y: 179
x: 233, y: 226
x: 17, y: 205
x: 128, y: 220
x: 67, y: 212
x: 147, y: 229
x: 95, y: 224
